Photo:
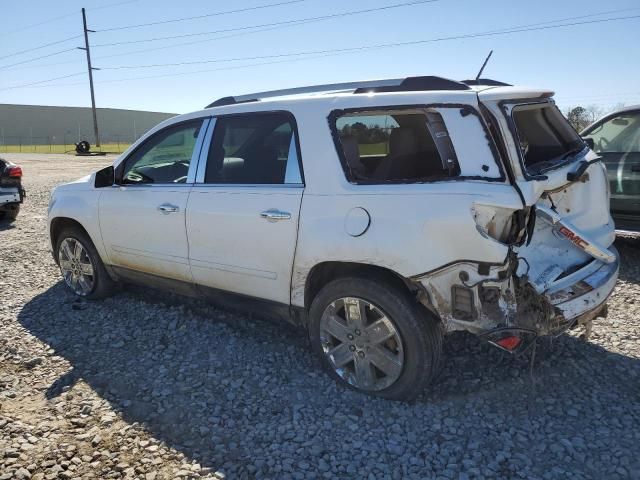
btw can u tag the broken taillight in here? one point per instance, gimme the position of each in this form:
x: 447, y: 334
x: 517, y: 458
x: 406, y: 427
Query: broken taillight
x: 505, y: 225
x: 14, y: 171
x: 511, y: 339
x: 509, y: 343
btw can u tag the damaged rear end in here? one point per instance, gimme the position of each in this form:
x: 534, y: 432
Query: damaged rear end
x: 560, y: 264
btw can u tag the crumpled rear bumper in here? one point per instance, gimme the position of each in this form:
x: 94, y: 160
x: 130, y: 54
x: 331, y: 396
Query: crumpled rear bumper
x: 585, y: 291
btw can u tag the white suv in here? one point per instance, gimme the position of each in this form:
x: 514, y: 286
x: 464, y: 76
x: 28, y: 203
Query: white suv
x: 378, y: 215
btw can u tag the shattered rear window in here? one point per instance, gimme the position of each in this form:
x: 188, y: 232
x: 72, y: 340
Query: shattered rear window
x: 402, y: 146
x: 546, y: 138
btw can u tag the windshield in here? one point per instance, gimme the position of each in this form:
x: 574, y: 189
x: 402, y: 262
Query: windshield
x: 546, y: 139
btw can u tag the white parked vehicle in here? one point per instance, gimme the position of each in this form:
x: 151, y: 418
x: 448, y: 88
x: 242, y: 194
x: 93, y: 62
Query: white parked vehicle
x: 378, y: 215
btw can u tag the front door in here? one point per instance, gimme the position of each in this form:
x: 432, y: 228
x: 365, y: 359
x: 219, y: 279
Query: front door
x: 142, y: 217
x: 617, y: 141
x: 242, y: 216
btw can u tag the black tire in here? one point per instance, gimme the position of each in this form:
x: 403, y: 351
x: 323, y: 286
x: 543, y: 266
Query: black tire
x: 103, y: 284
x: 420, y: 332
x: 10, y: 215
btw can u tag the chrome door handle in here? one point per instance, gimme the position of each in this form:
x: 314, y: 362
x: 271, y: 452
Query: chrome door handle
x: 274, y: 215
x: 168, y: 208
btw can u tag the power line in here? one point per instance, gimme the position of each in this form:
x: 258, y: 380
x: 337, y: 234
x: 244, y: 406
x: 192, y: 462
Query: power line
x: 597, y: 14
x: 507, y: 30
x: 196, y: 17
x: 42, y: 65
x: 286, y: 22
x: 2, y: 67
x: 67, y: 15
x: 6, y: 67
x: 42, y: 81
x: 110, y: 5
x: 26, y: 27
x: 183, y: 44
x: 153, y: 23
x: 40, y: 47
x: 193, y: 42
x: 330, y: 52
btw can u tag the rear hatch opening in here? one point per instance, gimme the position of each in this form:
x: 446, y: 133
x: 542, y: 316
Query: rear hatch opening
x: 567, y: 254
x: 546, y: 140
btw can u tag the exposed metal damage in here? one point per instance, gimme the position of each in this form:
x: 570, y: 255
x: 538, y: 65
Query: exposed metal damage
x: 512, y: 303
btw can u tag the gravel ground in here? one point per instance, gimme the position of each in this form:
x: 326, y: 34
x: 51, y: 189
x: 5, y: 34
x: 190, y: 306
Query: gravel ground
x: 138, y: 386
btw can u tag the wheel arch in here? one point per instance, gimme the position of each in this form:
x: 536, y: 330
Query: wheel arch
x: 324, y: 272
x: 57, y: 225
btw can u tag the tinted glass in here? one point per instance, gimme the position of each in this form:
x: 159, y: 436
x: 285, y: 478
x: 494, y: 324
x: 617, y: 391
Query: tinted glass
x: 165, y: 157
x: 251, y: 149
x: 383, y: 147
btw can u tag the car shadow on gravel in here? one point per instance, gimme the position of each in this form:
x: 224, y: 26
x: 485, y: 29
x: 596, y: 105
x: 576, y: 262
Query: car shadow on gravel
x: 6, y: 225
x: 242, y: 395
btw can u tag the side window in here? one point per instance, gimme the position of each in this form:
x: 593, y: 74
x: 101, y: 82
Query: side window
x: 164, y: 157
x: 257, y: 148
x: 396, y: 146
x: 620, y: 134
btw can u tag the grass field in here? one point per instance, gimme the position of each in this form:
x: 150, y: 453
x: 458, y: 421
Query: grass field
x: 373, y: 148
x: 69, y: 148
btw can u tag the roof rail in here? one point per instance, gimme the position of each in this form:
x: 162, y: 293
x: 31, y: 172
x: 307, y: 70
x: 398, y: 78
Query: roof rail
x: 486, y: 82
x: 408, y: 84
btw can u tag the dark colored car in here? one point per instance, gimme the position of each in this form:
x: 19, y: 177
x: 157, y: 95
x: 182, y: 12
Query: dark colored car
x: 11, y: 192
x: 616, y: 138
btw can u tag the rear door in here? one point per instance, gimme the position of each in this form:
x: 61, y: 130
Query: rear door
x: 617, y: 140
x: 242, y: 217
x: 142, y: 217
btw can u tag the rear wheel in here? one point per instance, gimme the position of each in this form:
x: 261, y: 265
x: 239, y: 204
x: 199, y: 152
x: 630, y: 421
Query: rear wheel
x: 81, y: 266
x: 10, y: 214
x: 374, y: 338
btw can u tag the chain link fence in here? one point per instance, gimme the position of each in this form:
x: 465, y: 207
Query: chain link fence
x: 65, y: 143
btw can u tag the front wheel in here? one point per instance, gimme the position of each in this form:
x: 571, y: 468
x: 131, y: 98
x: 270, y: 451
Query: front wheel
x: 373, y: 337
x: 81, y: 265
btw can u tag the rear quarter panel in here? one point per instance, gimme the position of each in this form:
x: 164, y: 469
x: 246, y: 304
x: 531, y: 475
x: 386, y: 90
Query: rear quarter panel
x: 414, y: 228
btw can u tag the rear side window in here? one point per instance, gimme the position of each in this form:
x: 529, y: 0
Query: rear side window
x: 251, y: 149
x: 402, y: 146
x: 546, y: 138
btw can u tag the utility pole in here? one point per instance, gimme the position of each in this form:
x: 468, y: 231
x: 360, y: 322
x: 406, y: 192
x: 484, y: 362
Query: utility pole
x: 91, y: 69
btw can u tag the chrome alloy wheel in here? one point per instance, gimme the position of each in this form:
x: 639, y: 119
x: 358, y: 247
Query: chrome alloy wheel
x: 361, y: 343
x: 76, y: 266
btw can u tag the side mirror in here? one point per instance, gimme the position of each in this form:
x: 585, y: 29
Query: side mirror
x: 589, y: 142
x: 104, y: 177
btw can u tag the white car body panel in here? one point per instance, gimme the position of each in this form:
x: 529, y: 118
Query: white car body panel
x: 434, y: 235
x: 78, y: 200
x: 138, y: 236
x: 232, y: 248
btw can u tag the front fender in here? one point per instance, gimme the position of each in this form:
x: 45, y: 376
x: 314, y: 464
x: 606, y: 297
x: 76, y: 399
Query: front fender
x: 82, y: 207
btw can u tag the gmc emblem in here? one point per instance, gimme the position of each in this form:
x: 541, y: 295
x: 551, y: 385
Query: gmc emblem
x: 574, y: 238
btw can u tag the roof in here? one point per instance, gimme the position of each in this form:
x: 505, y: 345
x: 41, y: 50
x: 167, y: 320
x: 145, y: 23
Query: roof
x: 408, y: 84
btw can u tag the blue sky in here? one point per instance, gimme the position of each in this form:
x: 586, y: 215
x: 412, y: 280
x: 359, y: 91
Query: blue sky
x: 592, y: 64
